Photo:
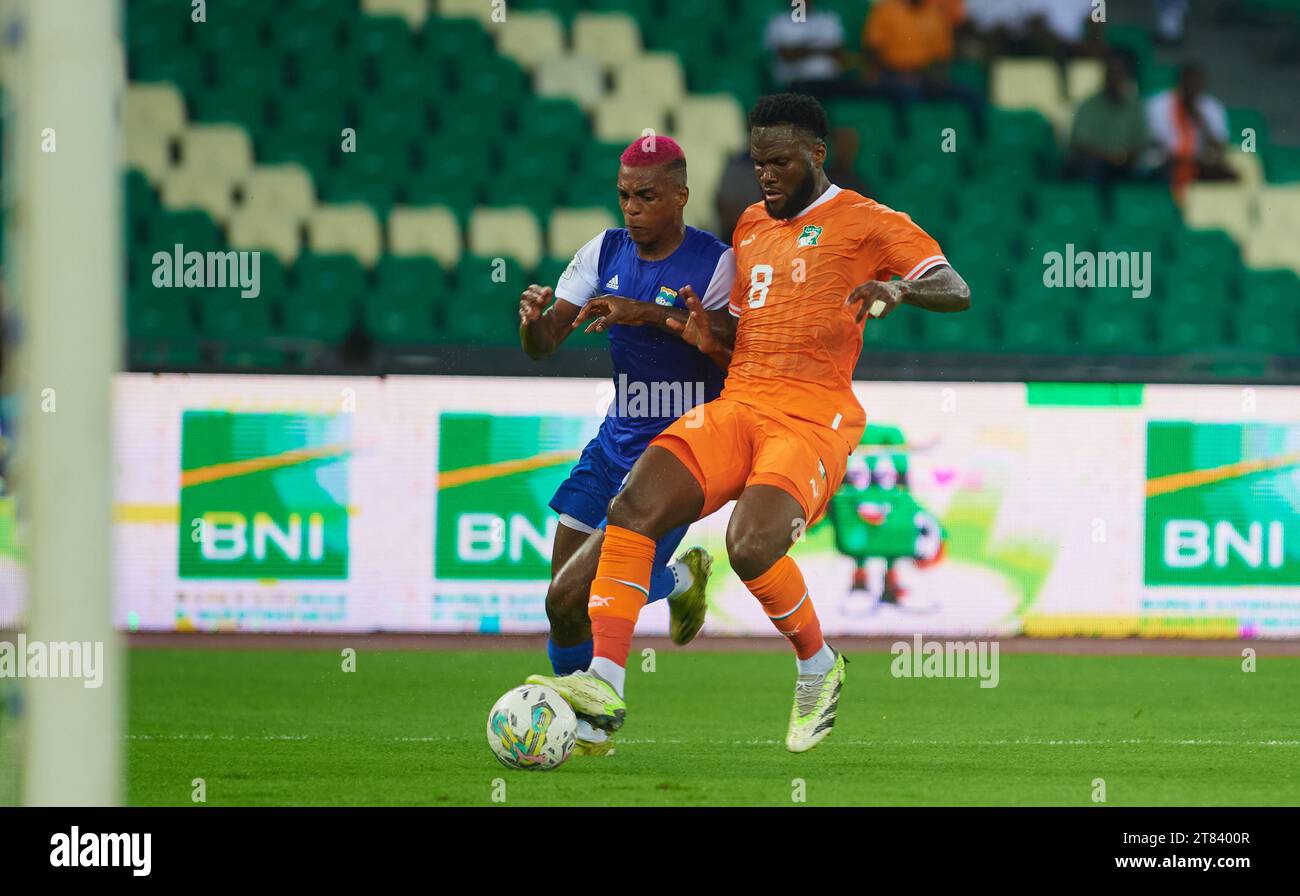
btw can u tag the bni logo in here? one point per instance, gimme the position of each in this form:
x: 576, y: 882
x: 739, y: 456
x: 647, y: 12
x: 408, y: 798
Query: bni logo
x: 264, y: 495
x: 1220, y: 503
x: 496, y: 475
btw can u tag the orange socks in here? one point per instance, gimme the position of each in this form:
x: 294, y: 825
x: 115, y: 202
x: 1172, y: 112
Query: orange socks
x: 619, y: 591
x: 784, y: 596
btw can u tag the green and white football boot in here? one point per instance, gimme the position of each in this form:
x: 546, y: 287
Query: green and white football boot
x: 591, y: 697
x: 815, y: 700
x: 686, y: 610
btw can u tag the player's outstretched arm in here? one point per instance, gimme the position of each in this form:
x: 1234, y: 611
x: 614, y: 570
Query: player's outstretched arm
x: 603, y: 312
x: 543, y: 328
x: 941, y: 289
x: 712, y: 332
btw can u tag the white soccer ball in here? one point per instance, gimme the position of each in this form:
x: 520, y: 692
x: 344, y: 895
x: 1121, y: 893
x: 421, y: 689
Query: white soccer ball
x: 532, y: 728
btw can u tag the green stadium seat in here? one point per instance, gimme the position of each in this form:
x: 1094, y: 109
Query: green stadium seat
x: 1195, y: 297
x: 171, y: 355
x: 451, y: 39
x: 252, y: 357
x: 398, y: 318
x: 986, y: 209
x: 1062, y: 206
x: 1282, y: 164
x: 1144, y: 205
x: 485, y: 307
x: 236, y: 105
x: 226, y: 315
x: 1207, y: 255
x: 408, y: 289
x: 1114, y: 324
x: 927, y: 124
x: 194, y: 230
x: 971, y: 330
x: 1022, y: 134
x: 1267, y: 328
x: 1039, y: 323
x: 548, y: 273
x: 321, y: 276
x: 554, y: 122
x: 1278, y: 288
x: 446, y: 186
x: 272, y: 277
x: 930, y: 171
x: 321, y: 316
x: 565, y: 9
x: 1179, y: 329
x: 1157, y: 240
x: 1239, y: 119
x: 159, y: 314
x: 898, y: 332
x: 1042, y: 237
x: 872, y: 119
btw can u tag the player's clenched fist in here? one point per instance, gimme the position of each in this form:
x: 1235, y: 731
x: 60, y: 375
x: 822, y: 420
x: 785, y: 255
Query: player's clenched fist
x: 876, y: 297
x: 533, y: 303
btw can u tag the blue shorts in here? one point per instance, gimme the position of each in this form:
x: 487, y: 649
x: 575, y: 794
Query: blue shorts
x: 593, y: 481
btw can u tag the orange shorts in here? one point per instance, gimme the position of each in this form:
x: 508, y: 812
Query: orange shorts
x: 728, y: 445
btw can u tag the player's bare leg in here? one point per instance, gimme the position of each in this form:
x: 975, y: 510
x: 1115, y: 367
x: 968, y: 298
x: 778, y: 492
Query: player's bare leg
x: 569, y: 646
x: 566, y: 603
x: 766, y: 522
x: 566, y: 544
x: 660, y: 495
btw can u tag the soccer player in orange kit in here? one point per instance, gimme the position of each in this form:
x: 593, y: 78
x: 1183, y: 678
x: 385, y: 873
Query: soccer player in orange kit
x: 812, y: 261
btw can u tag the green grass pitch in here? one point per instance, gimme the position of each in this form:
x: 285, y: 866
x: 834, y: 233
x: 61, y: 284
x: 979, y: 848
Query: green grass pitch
x: 272, y: 727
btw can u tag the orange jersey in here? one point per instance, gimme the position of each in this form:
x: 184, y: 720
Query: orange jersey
x: 797, y: 341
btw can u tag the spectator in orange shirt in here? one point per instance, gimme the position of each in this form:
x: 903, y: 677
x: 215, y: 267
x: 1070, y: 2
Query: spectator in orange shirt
x: 910, y: 43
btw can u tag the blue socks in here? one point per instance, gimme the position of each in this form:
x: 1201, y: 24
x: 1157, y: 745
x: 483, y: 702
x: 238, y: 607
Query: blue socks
x: 662, y: 583
x: 566, y: 660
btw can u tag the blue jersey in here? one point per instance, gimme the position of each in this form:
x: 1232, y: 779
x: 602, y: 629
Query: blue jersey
x: 657, y: 376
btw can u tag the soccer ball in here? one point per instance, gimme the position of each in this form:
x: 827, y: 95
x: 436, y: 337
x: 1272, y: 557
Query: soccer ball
x: 532, y: 728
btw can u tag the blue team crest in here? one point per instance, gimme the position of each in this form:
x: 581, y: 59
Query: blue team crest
x: 810, y: 235
x: 666, y: 296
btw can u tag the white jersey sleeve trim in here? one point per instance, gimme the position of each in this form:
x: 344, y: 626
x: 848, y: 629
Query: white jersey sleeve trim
x: 928, y: 265
x: 724, y: 275
x: 581, y: 279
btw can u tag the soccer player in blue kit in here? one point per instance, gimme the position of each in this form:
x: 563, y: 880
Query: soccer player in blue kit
x: 640, y: 284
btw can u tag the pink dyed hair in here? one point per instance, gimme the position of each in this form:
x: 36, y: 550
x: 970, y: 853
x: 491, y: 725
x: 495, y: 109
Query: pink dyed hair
x: 646, y: 151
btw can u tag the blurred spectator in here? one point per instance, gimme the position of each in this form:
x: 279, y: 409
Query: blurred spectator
x: 1068, y: 27
x: 808, y: 53
x: 1005, y: 27
x: 1171, y: 18
x: 1056, y: 28
x: 910, y: 40
x: 737, y: 190
x: 842, y: 153
x: 910, y: 43
x: 1190, y: 129
x: 1110, y: 129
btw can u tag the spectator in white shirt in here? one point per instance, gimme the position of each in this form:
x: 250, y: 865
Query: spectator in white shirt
x: 808, y: 54
x: 1190, y: 130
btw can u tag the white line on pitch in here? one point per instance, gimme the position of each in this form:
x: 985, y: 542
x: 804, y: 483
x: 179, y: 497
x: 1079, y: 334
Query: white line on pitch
x: 757, y: 742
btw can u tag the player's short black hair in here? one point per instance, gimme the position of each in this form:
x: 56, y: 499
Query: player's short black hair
x: 795, y: 109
